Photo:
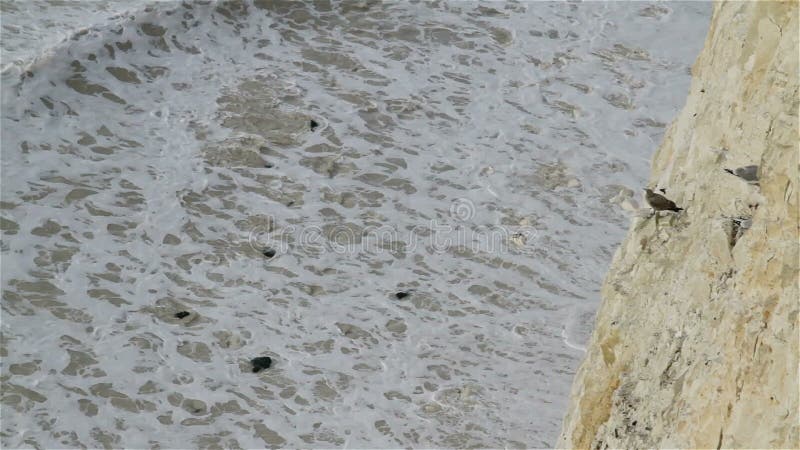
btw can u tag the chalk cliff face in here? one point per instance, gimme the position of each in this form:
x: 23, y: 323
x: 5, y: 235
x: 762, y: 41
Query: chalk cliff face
x: 696, y: 342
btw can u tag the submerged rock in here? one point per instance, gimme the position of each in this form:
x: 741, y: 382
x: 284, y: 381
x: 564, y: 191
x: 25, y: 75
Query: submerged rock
x: 260, y: 363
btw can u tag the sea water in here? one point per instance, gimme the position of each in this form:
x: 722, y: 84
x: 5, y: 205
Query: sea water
x: 408, y: 206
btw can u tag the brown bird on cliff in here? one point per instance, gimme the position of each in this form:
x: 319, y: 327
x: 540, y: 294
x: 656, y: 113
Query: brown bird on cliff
x: 660, y: 203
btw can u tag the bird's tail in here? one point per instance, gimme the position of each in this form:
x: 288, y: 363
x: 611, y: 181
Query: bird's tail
x: 729, y: 171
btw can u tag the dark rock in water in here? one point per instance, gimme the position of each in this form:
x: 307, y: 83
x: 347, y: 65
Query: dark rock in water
x: 260, y: 363
x: 181, y: 314
x: 401, y: 295
x: 291, y: 202
x: 313, y: 124
x: 268, y: 165
x: 268, y: 252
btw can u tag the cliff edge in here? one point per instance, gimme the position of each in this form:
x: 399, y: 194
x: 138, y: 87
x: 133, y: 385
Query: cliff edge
x: 696, y: 342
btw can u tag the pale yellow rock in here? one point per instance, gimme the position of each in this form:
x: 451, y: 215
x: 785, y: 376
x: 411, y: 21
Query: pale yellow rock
x: 696, y: 342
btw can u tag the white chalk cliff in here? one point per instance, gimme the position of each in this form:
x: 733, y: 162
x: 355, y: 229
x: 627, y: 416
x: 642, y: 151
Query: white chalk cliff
x: 696, y: 342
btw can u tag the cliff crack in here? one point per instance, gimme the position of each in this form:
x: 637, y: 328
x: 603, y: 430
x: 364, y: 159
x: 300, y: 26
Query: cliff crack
x: 780, y: 29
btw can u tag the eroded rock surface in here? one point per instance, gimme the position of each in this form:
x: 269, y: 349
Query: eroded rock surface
x: 695, y: 345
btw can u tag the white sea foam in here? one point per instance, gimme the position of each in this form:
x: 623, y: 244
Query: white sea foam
x: 135, y: 186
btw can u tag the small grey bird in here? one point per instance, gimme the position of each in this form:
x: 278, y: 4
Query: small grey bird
x: 747, y: 173
x: 660, y: 203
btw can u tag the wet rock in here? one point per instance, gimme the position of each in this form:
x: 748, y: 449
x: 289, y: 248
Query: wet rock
x: 197, y: 351
x: 169, y: 310
x: 268, y: 165
x: 235, y: 152
x: 149, y: 388
x: 260, y: 363
x: 226, y: 339
x: 194, y: 406
x: 186, y: 317
x: 269, y: 252
x: 354, y: 332
x: 313, y: 124
x: 396, y: 326
x: 401, y: 295
x: 25, y: 368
